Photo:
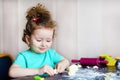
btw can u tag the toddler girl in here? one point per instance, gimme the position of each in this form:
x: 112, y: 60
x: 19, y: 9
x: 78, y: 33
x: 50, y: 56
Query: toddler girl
x: 40, y: 58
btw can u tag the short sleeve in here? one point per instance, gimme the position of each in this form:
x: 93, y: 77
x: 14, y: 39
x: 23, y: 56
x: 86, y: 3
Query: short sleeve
x: 20, y: 60
x: 57, y: 57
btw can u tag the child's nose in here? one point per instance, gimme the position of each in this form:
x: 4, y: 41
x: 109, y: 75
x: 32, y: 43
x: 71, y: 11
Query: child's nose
x: 43, y: 43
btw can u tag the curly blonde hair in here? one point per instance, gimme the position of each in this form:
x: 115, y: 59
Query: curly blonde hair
x: 36, y: 16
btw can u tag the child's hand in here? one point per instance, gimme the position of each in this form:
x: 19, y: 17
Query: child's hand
x: 61, y: 66
x: 47, y: 69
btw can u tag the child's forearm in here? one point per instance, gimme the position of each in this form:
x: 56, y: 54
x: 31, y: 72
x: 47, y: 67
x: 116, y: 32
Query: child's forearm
x: 66, y: 63
x: 19, y: 72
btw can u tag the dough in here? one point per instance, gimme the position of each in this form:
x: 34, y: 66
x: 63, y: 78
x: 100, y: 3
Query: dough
x: 72, y: 69
x: 55, y: 71
x: 95, y: 67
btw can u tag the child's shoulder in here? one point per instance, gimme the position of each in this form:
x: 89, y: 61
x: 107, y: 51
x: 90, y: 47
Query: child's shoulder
x: 24, y: 52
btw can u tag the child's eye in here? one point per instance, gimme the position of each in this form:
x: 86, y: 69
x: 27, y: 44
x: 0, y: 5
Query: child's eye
x: 48, y: 40
x: 38, y: 40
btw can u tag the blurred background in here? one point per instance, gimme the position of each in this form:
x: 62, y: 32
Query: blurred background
x: 85, y: 28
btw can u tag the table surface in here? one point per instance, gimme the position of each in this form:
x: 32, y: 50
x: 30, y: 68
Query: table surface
x: 82, y: 74
x: 31, y: 78
x: 56, y: 77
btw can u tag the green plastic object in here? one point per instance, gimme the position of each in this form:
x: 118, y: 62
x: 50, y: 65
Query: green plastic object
x: 38, y: 78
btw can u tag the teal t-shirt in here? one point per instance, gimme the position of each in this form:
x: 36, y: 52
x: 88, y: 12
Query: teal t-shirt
x: 28, y: 59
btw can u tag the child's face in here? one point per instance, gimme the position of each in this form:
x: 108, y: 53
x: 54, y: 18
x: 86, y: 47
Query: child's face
x: 41, y: 40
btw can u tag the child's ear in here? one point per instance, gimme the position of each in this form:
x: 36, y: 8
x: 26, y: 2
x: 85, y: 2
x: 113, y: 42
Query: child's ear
x: 27, y: 38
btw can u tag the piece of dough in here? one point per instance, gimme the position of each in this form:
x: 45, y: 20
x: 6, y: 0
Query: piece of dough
x: 72, y: 69
x: 55, y: 71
